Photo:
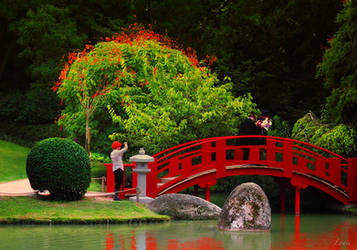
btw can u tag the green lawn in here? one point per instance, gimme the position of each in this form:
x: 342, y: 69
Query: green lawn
x: 12, y: 161
x: 97, y: 171
x: 33, y: 210
x: 13, y: 165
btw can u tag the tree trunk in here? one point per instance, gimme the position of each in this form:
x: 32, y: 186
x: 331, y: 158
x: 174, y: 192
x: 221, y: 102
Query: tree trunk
x: 87, y: 140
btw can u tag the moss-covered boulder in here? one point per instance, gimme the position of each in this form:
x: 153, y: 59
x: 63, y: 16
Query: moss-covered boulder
x: 184, y: 207
x: 246, y: 209
x: 60, y: 166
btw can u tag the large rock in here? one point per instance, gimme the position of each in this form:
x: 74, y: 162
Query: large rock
x: 246, y: 209
x: 184, y: 206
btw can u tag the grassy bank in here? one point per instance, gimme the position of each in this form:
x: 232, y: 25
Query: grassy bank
x: 33, y: 210
x: 12, y: 161
x: 87, y: 211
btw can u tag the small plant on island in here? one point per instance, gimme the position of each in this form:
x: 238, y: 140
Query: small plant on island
x: 60, y: 166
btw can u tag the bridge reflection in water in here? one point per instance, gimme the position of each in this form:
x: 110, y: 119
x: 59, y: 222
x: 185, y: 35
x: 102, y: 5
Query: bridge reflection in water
x: 145, y: 240
x: 290, y: 234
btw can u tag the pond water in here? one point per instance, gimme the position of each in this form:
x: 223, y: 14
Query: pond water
x: 308, y: 232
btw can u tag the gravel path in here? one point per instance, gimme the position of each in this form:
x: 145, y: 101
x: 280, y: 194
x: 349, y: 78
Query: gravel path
x: 23, y: 188
x: 16, y: 188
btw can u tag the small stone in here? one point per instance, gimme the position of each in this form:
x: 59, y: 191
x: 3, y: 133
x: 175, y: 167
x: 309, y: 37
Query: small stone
x: 185, y: 207
x: 246, y: 209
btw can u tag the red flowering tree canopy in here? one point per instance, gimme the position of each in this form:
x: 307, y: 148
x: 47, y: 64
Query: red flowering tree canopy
x: 157, y: 94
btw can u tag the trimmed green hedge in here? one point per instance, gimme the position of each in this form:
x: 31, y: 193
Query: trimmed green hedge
x: 60, y: 166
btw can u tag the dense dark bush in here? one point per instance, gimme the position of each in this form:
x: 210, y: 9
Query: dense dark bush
x: 60, y: 166
x: 39, y: 105
x: 280, y: 128
x: 28, y: 135
x: 10, y: 104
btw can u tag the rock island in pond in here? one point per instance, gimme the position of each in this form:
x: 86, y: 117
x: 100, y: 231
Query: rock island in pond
x: 184, y: 206
x: 246, y: 209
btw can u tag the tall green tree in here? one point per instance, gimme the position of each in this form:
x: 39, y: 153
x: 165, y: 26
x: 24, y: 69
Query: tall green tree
x: 157, y: 94
x: 338, y: 69
x: 11, y: 68
x: 35, y: 35
x: 43, y: 31
x: 46, y: 33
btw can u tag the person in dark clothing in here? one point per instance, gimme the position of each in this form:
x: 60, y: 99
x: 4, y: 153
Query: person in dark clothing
x: 248, y: 127
x: 264, y: 122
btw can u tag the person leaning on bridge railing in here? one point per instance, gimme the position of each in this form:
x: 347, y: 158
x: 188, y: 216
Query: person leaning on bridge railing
x: 249, y: 127
x: 118, y: 167
x: 264, y: 122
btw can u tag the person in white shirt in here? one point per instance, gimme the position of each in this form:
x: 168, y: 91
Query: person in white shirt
x: 118, y: 167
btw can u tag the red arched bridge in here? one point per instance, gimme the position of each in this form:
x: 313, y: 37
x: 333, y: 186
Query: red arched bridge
x: 294, y: 163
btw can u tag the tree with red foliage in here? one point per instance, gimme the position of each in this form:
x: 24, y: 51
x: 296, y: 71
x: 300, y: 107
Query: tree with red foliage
x: 157, y: 93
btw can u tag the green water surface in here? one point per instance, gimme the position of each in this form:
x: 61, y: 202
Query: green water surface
x: 310, y: 232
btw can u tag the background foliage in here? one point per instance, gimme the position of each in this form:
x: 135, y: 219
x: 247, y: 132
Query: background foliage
x: 339, y: 138
x: 339, y: 69
x: 268, y: 48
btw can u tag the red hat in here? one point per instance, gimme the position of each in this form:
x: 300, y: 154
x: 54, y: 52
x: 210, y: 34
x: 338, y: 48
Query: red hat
x: 116, y: 145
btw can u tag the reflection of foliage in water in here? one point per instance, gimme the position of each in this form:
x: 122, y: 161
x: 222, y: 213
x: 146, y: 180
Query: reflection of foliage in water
x: 320, y: 232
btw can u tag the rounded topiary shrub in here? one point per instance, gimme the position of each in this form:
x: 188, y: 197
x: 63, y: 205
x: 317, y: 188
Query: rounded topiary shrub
x: 60, y: 166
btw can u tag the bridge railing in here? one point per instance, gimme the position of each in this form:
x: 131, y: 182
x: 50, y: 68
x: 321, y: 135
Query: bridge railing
x: 215, y: 154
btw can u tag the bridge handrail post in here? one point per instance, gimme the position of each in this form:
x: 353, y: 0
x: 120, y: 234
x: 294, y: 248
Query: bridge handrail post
x: 270, y: 152
x: 110, y: 177
x: 335, y: 170
x: 220, y: 150
x: 206, y: 153
x: 288, y: 157
x: 152, y: 179
x: 352, y: 180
